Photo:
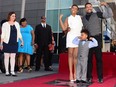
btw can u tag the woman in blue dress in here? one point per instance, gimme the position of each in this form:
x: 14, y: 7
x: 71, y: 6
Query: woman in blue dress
x: 26, y: 50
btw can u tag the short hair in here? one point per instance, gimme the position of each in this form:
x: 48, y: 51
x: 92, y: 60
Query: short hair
x: 87, y: 4
x: 85, y: 31
x: 75, y: 5
x: 9, y: 14
x: 42, y: 17
x: 22, y: 20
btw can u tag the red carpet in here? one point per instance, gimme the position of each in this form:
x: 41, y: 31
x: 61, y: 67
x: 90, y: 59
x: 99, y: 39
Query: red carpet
x: 109, y: 64
x: 109, y: 81
x: 109, y: 61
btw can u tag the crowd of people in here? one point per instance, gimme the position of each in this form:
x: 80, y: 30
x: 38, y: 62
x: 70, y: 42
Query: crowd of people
x: 19, y: 42
x: 83, y: 39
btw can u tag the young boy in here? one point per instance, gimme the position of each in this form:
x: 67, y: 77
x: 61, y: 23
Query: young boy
x: 83, y: 48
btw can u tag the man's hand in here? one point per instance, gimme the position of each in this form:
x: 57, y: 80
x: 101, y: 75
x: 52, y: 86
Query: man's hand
x: 49, y: 45
x: 103, y: 4
x: 36, y: 46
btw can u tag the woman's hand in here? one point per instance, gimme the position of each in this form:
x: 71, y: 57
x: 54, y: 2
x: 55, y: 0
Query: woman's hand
x: 61, y: 16
x: 32, y: 43
x: 1, y: 47
x: 22, y: 43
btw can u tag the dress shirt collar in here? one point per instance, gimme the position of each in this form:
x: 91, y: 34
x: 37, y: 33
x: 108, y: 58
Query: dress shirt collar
x: 43, y: 24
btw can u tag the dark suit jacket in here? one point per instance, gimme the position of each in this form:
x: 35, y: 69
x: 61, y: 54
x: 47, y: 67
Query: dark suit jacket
x: 43, y: 36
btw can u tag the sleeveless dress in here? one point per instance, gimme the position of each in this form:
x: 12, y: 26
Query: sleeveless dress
x: 75, y: 24
x: 12, y: 46
x: 27, y: 38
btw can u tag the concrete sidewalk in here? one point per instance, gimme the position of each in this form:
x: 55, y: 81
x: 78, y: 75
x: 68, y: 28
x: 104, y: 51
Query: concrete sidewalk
x: 27, y: 75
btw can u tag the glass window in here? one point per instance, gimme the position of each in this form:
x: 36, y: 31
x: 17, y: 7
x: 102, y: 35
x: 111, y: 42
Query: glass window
x: 52, y: 4
x: 52, y: 19
x: 65, y: 3
x: 53, y: 9
x: 66, y: 13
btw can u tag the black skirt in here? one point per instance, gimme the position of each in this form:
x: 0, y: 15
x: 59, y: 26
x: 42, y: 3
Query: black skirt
x: 12, y: 46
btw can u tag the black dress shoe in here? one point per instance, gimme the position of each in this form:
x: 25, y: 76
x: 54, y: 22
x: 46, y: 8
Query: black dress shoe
x: 100, y: 80
x: 37, y: 69
x: 89, y: 80
x: 14, y: 75
x: 8, y: 74
x: 77, y: 81
x: 48, y: 69
x: 2, y: 70
x: 82, y: 81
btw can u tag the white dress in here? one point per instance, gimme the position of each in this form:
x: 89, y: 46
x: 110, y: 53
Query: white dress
x: 75, y: 24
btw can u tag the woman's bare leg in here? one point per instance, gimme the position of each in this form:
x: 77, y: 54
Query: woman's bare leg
x: 21, y: 62
x: 70, y: 62
x: 28, y: 62
x: 28, y: 59
x: 20, y: 59
x: 75, y: 52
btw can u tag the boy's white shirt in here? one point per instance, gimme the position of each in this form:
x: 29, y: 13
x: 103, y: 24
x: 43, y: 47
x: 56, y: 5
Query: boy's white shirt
x: 92, y: 43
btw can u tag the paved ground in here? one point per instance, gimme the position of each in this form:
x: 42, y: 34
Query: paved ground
x: 26, y: 75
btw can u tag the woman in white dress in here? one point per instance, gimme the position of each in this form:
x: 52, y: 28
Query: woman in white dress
x: 74, y: 25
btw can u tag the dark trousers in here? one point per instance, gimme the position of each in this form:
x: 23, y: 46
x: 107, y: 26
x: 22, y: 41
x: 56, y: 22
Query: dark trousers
x: 50, y: 58
x: 32, y: 60
x: 2, y: 67
x: 98, y: 56
x: 42, y: 50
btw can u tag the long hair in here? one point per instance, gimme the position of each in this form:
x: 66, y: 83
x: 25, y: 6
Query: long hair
x: 9, y: 14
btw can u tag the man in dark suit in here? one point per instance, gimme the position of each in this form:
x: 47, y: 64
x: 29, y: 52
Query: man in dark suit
x: 43, y: 40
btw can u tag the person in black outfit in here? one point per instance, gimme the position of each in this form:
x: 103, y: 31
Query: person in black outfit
x: 113, y: 46
x: 92, y: 22
x: 2, y: 68
x: 43, y: 40
x: 62, y: 43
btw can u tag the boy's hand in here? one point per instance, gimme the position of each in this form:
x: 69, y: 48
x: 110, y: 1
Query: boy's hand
x: 79, y: 37
x: 90, y: 38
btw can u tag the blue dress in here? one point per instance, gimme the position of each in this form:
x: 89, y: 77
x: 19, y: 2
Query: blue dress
x: 27, y: 38
x: 12, y: 46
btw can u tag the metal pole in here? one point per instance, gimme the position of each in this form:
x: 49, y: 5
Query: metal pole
x: 46, y: 8
x: 58, y: 26
x: 23, y: 8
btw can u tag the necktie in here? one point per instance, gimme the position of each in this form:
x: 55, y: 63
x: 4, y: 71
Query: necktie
x: 44, y: 26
